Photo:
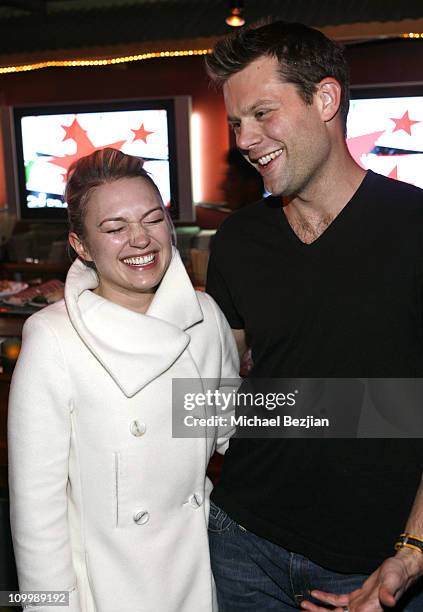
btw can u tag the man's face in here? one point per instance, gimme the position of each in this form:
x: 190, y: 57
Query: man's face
x: 283, y: 137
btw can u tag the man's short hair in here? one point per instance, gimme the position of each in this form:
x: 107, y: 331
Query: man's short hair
x: 305, y: 56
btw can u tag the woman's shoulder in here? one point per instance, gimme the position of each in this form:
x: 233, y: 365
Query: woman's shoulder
x: 45, y: 334
x: 206, y: 301
x: 54, y: 317
x: 210, y: 309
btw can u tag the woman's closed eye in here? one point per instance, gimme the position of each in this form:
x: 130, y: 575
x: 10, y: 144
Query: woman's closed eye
x: 115, y: 230
x: 154, y: 220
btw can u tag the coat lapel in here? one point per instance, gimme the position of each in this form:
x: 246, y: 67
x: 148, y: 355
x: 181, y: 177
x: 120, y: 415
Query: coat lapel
x: 134, y: 348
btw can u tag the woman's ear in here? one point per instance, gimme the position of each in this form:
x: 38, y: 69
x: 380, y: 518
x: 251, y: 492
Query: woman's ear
x: 79, y: 247
x: 329, y: 98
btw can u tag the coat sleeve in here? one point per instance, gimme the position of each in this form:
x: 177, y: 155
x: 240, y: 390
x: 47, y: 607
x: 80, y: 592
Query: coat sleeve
x: 229, y: 378
x: 39, y: 433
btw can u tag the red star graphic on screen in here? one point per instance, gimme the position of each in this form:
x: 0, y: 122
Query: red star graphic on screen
x: 359, y: 145
x: 394, y: 173
x: 404, y: 123
x: 75, y: 132
x: 84, y: 146
x: 141, y: 133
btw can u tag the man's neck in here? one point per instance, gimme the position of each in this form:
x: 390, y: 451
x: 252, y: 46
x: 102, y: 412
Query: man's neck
x: 310, y: 212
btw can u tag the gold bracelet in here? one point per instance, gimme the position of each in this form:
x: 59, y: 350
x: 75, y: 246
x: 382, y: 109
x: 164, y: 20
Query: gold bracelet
x: 407, y: 540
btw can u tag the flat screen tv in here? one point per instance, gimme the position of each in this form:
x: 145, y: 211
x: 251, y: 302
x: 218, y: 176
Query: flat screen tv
x: 45, y: 140
x: 385, y: 131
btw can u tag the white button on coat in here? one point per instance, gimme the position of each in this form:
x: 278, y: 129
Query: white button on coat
x: 137, y: 428
x: 141, y: 517
x: 195, y: 500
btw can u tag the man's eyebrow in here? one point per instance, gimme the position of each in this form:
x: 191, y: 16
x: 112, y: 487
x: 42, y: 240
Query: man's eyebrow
x: 258, y: 103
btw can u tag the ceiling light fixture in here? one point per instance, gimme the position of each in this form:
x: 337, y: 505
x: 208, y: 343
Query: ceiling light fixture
x: 235, y: 19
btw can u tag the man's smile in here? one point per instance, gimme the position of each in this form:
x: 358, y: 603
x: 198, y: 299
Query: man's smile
x: 266, y: 159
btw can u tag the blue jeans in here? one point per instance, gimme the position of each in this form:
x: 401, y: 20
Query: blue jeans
x: 254, y: 574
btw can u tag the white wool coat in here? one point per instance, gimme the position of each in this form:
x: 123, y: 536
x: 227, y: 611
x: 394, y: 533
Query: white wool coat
x: 105, y: 503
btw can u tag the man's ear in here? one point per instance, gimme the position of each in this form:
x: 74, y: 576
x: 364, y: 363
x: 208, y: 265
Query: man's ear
x: 328, y: 96
x: 78, y: 246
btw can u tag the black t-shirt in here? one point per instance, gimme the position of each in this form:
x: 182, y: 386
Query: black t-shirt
x: 347, y: 305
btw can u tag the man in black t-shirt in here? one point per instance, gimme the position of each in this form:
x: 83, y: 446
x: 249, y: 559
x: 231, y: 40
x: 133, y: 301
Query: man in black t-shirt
x: 325, y: 279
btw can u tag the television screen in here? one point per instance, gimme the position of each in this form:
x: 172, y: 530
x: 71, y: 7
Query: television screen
x: 47, y: 140
x: 385, y: 133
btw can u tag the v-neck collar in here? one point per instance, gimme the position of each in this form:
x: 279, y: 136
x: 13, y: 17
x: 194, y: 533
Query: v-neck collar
x: 336, y: 222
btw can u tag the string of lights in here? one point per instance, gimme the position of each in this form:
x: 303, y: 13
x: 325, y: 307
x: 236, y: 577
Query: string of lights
x: 83, y: 63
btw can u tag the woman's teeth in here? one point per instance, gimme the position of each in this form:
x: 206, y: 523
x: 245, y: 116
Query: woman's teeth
x: 268, y: 158
x: 139, y: 261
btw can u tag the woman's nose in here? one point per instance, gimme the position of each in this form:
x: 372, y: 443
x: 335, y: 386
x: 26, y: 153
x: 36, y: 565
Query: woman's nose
x: 138, y: 236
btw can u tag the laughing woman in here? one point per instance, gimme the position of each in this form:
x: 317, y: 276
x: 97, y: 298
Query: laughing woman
x: 105, y: 504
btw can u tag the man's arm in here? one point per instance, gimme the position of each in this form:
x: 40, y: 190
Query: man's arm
x: 241, y: 342
x: 387, y: 584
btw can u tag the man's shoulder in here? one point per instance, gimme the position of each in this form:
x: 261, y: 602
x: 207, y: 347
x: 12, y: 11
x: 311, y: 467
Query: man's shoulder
x: 250, y: 216
x: 395, y: 191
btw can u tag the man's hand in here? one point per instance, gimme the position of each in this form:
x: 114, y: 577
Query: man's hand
x: 381, y: 590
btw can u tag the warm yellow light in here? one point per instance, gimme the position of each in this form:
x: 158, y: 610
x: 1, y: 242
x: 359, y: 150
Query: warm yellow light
x: 412, y: 35
x: 196, y: 159
x: 102, y: 62
x: 235, y: 19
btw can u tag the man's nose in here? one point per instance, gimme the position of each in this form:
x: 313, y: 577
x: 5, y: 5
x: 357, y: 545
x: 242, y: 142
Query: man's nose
x: 247, y: 136
x: 138, y: 235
